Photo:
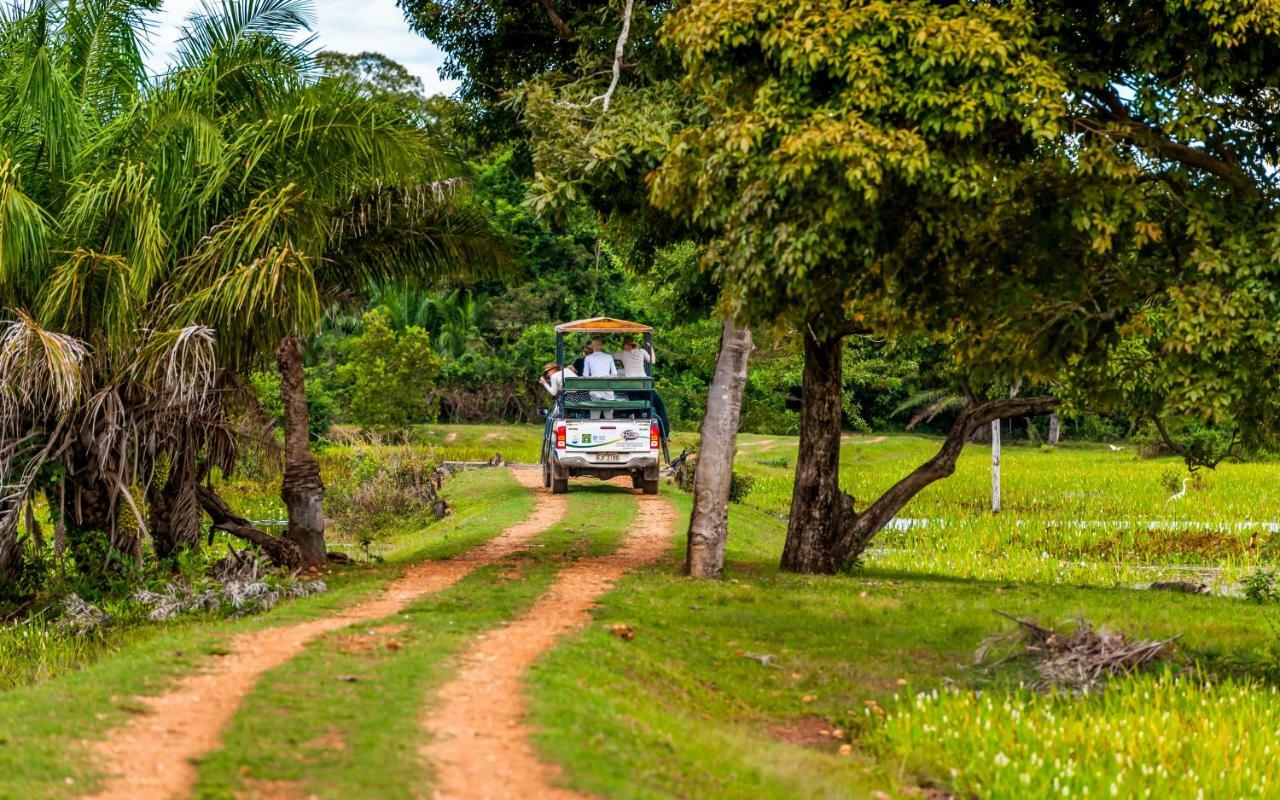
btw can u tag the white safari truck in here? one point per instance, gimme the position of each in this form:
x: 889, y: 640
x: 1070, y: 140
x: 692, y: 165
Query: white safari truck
x: 629, y: 443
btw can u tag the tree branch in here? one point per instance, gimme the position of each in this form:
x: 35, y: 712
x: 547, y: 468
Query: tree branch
x: 618, y: 52
x: 556, y: 21
x: 1112, y: 110
x: 282, y: 552
x: 861, y: 527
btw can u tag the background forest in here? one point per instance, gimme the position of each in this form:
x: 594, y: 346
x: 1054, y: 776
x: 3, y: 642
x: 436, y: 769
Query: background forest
x: 470, y: 353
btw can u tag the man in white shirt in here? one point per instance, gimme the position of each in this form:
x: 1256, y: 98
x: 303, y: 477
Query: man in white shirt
x: 633, y: 359
x: 599, y: 364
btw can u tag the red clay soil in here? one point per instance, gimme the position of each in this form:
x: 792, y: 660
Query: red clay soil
x: 150, y: 758
x: 481, y: 745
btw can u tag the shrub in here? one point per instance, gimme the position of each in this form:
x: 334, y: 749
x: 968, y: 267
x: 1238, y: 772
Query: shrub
x: 321, y: 401
x: 1260, y: 586
x: 740, y: 484
x: 389, y: 374
x: 387, y: 484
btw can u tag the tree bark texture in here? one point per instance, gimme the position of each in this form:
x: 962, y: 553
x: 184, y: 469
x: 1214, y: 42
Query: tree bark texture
x: 1055, y: 429
x: 858, y: 528
x: 302, y: 489
x: 174, y: 517
x: 995, y: 466
x: 709, y: 522
x: 10, y: 556
x: 818, y: 507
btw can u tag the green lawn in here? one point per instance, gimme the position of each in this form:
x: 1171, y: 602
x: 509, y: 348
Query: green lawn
x: 1080, y: 513
x: 687, y: 709
x: 728, y: 687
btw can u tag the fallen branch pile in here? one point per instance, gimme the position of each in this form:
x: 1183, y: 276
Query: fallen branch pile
x: 1080, y: 659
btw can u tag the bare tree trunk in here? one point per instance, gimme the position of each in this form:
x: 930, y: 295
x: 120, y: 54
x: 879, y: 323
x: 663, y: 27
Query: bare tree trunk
x: 1055, y: 429
x: 709, y: 522
x: 10, y: 556
x: 995, y: 466
x: 302, y: 489
x: 819, y: 509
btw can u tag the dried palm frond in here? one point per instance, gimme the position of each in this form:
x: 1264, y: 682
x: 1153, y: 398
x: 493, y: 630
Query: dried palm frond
x: 39, y: 368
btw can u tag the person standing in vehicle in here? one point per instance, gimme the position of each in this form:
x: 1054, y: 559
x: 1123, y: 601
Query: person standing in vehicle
x: 599, y: 364
x: 637, y: 363
x: 633, y: 359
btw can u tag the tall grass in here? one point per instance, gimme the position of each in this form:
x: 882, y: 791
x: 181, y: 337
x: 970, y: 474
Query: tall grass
x: 1155, y: 736
x: 36, y: 649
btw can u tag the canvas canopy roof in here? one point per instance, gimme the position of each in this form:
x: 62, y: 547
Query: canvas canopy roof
x: 603, y: 325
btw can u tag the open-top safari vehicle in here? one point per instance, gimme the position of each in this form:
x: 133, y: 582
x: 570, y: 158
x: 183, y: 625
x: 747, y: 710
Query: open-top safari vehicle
x: 574, y: 444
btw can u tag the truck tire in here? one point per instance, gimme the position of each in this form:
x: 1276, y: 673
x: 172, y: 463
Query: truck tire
x: 559, y: 485
x: 546, y: 469
x: 637, y: 480
x: 651, y: 486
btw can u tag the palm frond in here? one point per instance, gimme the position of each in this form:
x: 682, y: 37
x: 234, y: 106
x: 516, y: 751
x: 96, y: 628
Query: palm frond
x: 929, y: 404
x: 179, y: 365
x: 24, y: 237
x: 40, y: 368
x: 418, y: 236
x: 225, y: 37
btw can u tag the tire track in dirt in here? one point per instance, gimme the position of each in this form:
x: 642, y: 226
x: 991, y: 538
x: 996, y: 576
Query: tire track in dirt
x: 150, y: 757
x: 481, y: 746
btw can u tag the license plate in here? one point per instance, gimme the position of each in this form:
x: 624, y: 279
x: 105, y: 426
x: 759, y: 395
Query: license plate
x: 608, y: 457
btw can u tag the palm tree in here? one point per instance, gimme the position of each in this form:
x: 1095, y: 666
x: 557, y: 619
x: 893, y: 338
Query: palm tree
x: 203, y: 223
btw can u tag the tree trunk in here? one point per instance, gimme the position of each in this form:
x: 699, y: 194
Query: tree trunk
x: 709, y: 522
x: 174, y: 517
x: 860, y: 528
x: 995, y: 466
x: 819, y: 509
x: 10, y: 556
x: 302, y: 489
x: 1055, y: 429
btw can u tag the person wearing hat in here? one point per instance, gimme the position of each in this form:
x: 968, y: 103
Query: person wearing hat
x: 553, y: 377
x: 633, y: 359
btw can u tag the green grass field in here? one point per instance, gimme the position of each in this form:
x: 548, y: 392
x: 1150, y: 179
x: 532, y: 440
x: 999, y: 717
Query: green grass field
x: 1080, y: 513
x: 765, y: 684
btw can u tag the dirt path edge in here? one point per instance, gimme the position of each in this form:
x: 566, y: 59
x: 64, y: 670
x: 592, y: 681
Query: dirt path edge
x: 150, y: 757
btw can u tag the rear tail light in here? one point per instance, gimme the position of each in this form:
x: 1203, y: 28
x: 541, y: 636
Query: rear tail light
x: 561, y: 438
x: 654, y: 438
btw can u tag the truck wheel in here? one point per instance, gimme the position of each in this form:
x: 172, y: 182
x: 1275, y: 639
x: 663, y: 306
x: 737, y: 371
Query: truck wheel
x: 651, y: 487
x: 559, y: 485
x: 637, y: 480
x: 546, y: 474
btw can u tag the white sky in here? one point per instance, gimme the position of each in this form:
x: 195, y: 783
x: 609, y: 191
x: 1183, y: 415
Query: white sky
x: 349, y: 26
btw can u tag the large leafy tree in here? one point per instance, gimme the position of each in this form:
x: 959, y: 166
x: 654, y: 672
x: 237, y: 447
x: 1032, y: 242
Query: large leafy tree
x: 164, y: 238
x: 1064, y: 193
